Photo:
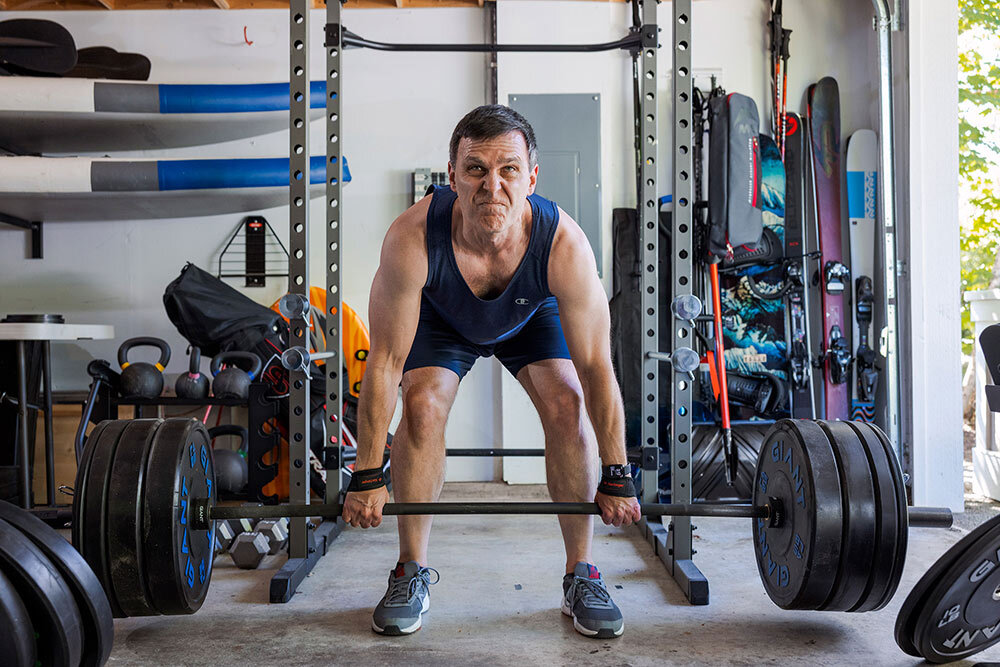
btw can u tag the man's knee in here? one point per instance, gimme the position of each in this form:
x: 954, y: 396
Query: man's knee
x: 562, y: 410
x: 425, y: 411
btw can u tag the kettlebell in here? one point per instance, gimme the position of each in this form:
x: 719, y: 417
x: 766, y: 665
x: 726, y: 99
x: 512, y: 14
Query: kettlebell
x: 142, y: 379
x: 234, y: 382
x: 193, y: 384
x: 230, y: 465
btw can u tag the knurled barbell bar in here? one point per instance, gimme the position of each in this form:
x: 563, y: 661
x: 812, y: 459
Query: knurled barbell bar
x: 829, y: 514
x: 204, y: 512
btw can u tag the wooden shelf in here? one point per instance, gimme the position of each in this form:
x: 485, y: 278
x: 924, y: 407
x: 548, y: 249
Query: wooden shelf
x: 75, y: 5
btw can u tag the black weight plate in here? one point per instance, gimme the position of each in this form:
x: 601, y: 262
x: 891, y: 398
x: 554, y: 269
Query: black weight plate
x: 798, y: 559
x: 961, y: 614
x: 98, y: 626
x: 178, y: 559
x: 93, y: 516
x: 860, y: 522
x: 80, y: 485
x: 124, y: 510
x: 46, y: 596
x: 17, y: 641
x: 883, y: 572
x: 902, y: 515
x: 916, y: 601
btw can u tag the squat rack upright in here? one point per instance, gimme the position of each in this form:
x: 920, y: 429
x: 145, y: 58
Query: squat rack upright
x: 306, y: 542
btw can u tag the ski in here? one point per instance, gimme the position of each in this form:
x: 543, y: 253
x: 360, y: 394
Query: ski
x: 824, y: 126
x: 862, y: 181
x: 797, y: 308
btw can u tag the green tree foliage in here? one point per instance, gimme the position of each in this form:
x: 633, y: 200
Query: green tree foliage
x: 978, y: 114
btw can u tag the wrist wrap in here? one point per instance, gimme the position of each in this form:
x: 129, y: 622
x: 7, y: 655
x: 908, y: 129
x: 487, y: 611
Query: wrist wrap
x: 621, y: 487
x: 366, y: 480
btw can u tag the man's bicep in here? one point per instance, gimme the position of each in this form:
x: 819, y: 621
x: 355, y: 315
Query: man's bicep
x: 586, y: 323
x: 583, y: 309
x: 394, y: 309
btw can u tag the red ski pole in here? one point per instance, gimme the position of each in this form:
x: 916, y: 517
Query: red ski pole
x: 720, y: 358
x: 785, y: 35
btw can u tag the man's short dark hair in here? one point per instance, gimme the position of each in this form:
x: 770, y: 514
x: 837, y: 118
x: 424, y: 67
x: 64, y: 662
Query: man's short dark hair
x: 488, y: 122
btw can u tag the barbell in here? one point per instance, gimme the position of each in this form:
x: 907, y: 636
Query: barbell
x: 829, y: 515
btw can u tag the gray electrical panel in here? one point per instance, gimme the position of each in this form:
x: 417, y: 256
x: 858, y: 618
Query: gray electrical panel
x: 568, y: 131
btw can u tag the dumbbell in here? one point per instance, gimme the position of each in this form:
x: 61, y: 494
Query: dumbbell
x: 276, y: 533
x: 228, y: 530
x: 225, y: 533
x: 249, y: 549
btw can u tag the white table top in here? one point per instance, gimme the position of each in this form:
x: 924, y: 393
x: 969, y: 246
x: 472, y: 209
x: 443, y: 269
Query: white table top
x: 51, y: 331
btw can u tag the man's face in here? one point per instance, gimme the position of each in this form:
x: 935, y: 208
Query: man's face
x: 492, y: 178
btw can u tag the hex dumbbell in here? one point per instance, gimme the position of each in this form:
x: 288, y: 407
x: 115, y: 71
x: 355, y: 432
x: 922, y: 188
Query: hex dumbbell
x: 225, y: 533
x: 276, y: 534
x: 248, y: 550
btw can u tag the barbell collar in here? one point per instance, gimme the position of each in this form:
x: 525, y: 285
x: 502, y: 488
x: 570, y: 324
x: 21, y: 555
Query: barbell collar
x: 926, y: 517
x: 299, y: 358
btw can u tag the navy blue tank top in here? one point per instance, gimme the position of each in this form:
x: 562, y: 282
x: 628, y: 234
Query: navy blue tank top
x: 485, y: 322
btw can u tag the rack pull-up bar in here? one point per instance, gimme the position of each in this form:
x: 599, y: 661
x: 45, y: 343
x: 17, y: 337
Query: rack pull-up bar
x: 349, y: 38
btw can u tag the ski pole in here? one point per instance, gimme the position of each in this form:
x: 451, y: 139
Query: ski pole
x: 727, y: 433
x: 785, y: 35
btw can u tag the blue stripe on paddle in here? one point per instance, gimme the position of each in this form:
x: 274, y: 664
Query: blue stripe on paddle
x: 236, y: 173
x: 233, y: 98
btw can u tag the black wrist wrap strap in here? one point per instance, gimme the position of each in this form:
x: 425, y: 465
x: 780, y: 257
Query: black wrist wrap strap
x: 621, y: 487
x: 366, y: 480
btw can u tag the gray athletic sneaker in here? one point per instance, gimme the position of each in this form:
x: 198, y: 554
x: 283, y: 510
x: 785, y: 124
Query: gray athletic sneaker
x: 586, y: 599
x: 406, y: 599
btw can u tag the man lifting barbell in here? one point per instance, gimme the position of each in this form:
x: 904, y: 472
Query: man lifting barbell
x: 488, y: 268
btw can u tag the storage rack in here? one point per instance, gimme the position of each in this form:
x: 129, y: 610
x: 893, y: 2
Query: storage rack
x: 673, y: 545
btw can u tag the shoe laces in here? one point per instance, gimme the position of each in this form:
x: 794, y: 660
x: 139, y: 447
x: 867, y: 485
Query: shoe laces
x: 591, y: 592
x: 402, y: 590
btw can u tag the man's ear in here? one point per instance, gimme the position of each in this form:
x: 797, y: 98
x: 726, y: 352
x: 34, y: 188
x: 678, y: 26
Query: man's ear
x: 533, y: 179
x: 451, y: 175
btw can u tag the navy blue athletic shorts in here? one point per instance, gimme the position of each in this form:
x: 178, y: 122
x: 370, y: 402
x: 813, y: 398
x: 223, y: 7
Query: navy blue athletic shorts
x: 436, y: 343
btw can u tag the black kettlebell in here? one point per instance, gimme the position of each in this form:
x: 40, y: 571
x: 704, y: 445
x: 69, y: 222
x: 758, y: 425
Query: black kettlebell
x: 193, y: 384
x: 234, y: 382
x: 142, y: 379
x: 231, y: 469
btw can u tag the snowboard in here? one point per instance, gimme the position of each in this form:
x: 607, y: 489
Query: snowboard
x: 862, y: 180
x: 797, y: 300
x: 754, y: 327
x: 834, y: 278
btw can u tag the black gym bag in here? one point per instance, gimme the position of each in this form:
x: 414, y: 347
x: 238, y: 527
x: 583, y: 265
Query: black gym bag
x: 215, y: 317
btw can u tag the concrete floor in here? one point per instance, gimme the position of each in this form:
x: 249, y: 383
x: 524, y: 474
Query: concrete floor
x: 498, y: 604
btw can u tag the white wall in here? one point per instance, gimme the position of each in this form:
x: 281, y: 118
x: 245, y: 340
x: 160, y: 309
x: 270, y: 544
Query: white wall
x: 933, y: 262
x: 399, y: 110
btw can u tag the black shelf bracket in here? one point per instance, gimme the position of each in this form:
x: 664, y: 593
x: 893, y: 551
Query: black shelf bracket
x: 32, y: 227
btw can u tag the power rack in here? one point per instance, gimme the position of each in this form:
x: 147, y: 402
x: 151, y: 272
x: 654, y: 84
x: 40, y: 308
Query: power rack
x: 673, y: 544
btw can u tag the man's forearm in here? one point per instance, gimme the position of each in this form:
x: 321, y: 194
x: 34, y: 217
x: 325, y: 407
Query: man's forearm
x: 604, y: 406
x: 376, y: 406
